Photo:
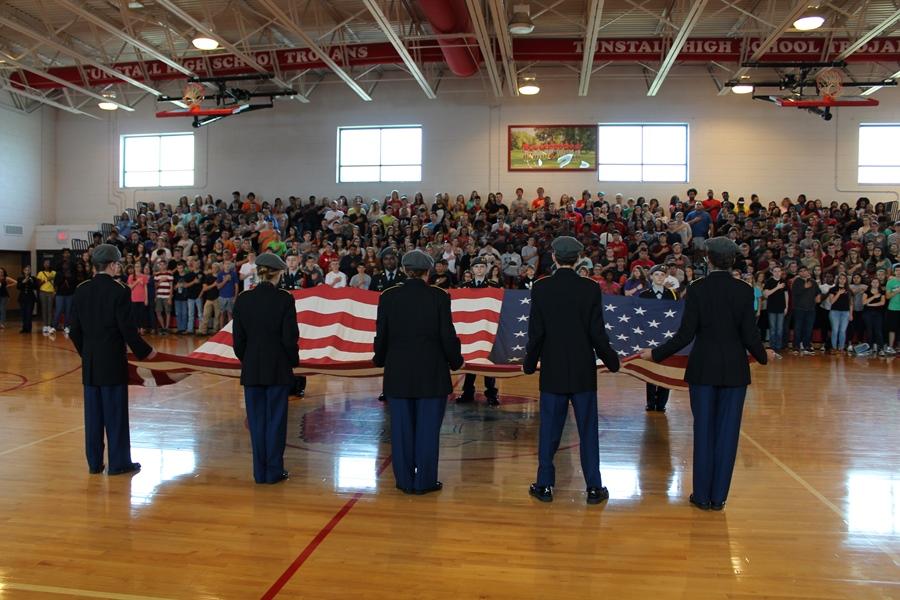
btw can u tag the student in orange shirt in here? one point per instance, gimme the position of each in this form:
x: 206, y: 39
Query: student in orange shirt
x: 538, y: 202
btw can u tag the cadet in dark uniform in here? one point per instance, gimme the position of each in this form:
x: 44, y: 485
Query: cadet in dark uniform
x: 390, y: 275
x: 416, y: 343
x: 388, y: 278
x: 566, y: 333
x: 720, y: 320
x: 265, y: 341
x: 101, y: 327
x: 293, y: 280
x: 658, y: 396
x: 479, y: 280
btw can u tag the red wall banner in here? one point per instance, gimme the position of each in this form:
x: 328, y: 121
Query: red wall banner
x: 730, y: 50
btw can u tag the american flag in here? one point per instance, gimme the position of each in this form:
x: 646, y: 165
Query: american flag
x: 337, y: 330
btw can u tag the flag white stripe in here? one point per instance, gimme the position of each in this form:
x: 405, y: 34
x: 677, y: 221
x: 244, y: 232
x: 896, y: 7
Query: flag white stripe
x: 476, y: 327
x: 475, y: 304
x: 311, y: 332
x: 325, y: 306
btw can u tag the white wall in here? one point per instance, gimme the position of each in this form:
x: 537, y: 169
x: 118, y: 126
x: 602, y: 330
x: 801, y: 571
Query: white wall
x: 737, y: 144
x: 27, y: 173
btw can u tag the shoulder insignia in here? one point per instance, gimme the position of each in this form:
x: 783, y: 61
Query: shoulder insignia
x: 440, y: 288
x: 82, y: 283
x: 699, y: 279
x: 119, y: 281
x: 396, y: 286
x: 537, y: 281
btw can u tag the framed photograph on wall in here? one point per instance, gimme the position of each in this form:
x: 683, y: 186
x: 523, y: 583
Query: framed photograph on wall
x: 552, y: 148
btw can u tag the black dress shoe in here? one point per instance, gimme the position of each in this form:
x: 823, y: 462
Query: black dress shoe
x: 435, y: 488
x: 96, y: 471
x: 700, y: 505
x: 493, y: 401
x: 381, y: 398
x: 597, y: 495
x: 284, y: 475
x: 661, y: 409
x: 544, y: 493
x: 405, y: 490
x: 133, y: 468
x: 649, y: 408
x: 465, y: 399
x: 717, y: 505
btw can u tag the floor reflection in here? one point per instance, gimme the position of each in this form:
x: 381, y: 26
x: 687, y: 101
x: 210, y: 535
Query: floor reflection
x: 355, y: 473
x: 873, y: 502
x: 157, y: 466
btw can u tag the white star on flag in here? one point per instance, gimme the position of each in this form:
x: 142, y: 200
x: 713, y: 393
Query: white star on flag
x: 514, y: 359
x: 624, y: 319
x: 608, y: 326
x: 622, y: 337
x: 653, y: 323
x: 636, y: 348
x: 669, y: 334
x: 638, y: 331
x: 653, y: 343
x: 519, y: 334
x: 518, y: 347
x: 640, y: 310
x: 610, y: 308
x: 526, y: 300
x: 523, y: 318
x: 670, y: 314
x: 622, y: 353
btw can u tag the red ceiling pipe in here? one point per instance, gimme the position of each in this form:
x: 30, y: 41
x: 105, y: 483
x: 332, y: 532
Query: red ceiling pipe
x: 452, y: 16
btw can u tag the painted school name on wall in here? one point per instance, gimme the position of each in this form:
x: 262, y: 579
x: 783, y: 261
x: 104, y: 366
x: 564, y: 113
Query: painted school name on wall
x: 525, y: 49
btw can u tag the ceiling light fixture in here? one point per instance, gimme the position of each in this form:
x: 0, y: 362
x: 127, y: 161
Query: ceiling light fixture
x: 521, y: 23
x: 202, y: 42
x: 742, y: 88
x: 528, y: 85
x: 108, y: 104
x: 812, y: 18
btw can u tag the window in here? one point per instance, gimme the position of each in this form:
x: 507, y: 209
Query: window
x: 380, y: 154
x: 635, y: 152
x: 879, y: 153
x: 165, y: 160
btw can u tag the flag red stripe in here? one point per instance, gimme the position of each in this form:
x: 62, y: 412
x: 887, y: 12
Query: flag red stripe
x: 315, y: 319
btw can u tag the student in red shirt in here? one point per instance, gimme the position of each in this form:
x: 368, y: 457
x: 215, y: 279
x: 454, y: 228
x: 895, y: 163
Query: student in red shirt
x: 643, y: 259
x: 711, y: 205
x: 538, y: 202
x: 619, y: 248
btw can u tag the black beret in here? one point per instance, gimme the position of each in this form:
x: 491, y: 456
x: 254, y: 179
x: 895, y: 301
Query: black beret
x: 566, y: 247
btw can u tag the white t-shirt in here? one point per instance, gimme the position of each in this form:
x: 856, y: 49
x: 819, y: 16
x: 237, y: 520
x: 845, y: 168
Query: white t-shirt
x: 249, y: 276
x: 336, y: 279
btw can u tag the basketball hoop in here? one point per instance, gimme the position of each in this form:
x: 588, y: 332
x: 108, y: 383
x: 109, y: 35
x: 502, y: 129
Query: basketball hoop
x: 193, y: 96
x: 830, y: 84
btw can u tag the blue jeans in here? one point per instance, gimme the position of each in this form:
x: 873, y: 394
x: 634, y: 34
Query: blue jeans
x: 803, y: 326
x: 839, y: 321
x: 181, y: 308
x: 776, y: 330
x: 63, y: 307
x: 194, y: 311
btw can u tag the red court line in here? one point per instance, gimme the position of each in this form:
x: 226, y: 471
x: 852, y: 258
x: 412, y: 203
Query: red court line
x: 22, y: 381
x: 279, y: 584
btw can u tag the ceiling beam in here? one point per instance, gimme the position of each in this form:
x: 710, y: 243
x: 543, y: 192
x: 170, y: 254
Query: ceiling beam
x: 484, y: 44
x: 501, y: 29
x: 872, y: 90
x: 690, y: 21
x: 398, y: 45
x: 796, y: 12
x: 288, y: 23
x: 868, y: 36
x: 205, y: 30
x: 72, y: 86
x: 76, y: 55
x: 38, y: 98
x: 595, y: 15
x: 117, y: 32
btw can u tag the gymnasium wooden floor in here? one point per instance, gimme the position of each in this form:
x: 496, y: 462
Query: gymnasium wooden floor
x: 814, y: 510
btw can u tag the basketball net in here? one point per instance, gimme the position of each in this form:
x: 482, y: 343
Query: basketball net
x: 830, y: 84
x: 193, y: 96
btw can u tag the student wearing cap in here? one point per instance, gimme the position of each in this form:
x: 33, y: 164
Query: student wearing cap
x: 479, y: 280
x: 265, y: 341
x: 101, y: 328
x: 658, y: 396
x: 416, y: 344
x: 390, y: 276
x: 719, y: 318
x: 566, y: 333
